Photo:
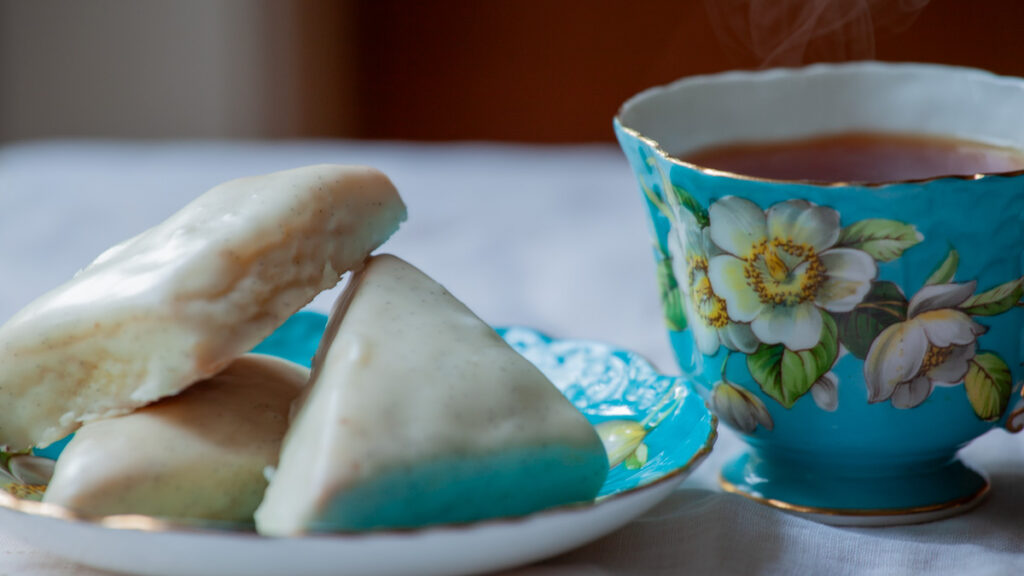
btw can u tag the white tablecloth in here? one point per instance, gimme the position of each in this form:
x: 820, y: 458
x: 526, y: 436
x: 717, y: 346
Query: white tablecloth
x: 551, y: 237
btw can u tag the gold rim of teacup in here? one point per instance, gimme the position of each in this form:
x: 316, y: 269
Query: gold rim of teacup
x: 656, y: 146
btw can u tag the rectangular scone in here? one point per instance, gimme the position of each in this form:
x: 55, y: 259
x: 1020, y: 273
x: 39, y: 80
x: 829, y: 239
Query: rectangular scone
x: 180, y: 301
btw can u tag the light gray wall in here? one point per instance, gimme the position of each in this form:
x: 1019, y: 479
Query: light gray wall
x: 149, y: 68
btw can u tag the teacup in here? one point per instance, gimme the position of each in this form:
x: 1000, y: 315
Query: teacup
x: 856, y: 335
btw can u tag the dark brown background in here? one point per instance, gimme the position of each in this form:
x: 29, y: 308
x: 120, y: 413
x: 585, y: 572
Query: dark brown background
x: 557, y: 70
x: 520, y: 70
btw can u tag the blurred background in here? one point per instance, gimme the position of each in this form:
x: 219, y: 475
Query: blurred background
x: 512, y: 70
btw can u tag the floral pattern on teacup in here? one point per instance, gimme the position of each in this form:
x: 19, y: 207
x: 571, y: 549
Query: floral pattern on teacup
x: 739, y: 408
x: 792, y: 289
x: 934, y: 346
x: 712, y: 327
x: 782, y: 268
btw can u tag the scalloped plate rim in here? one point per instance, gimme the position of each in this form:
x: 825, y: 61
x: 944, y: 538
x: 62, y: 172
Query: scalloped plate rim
x: 12, y: 507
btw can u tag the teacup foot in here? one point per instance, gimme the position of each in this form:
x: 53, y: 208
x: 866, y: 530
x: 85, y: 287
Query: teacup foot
x: 859, y: 497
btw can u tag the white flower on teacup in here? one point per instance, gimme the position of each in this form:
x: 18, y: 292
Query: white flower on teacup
x: 739, y: 408
x: 825, y: 392
x: 932, y: 347
x: 690, y: 247
x: 781, y: 267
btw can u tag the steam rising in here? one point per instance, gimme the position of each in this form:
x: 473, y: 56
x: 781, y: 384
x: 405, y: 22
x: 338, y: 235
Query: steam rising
x: 794, y: 32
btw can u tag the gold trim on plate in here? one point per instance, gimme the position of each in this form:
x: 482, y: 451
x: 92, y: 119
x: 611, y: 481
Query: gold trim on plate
x: 152, y: 524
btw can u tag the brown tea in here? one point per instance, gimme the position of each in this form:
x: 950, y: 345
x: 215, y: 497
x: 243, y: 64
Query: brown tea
x: 860, y: 157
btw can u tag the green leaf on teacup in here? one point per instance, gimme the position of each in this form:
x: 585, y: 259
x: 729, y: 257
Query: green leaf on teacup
x: 671, y: 297
x: 785, y: 374
x: 944, y: 272
x: 884, y: 240
x: 687, y: 201
x: 655, y: 200
x: 988, y: 383
x: 995, y: 301
x: 883, y: 306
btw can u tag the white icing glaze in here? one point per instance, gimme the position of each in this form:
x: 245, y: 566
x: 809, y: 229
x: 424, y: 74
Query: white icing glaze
x: 200, y: 454
x: 406, y: 374
x: 178, y: 302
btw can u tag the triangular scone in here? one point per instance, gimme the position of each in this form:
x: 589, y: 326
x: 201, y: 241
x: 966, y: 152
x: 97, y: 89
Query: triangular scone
x: 198, y: 455
x: 178, y: 302
x: 419, y: 413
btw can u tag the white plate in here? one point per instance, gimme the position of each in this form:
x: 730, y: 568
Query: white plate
x: 604, y: 382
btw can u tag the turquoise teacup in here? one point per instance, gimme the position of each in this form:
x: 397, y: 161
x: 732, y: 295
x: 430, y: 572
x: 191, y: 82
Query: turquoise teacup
x: 856, y: 335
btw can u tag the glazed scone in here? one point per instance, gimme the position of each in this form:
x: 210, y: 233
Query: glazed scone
x: 180, y: 301
x: 198, y: 455
x: 419, y: 413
